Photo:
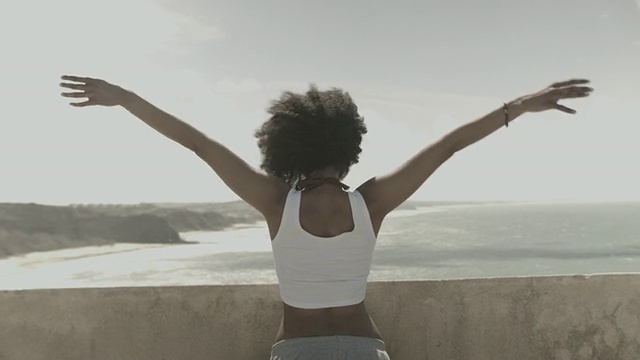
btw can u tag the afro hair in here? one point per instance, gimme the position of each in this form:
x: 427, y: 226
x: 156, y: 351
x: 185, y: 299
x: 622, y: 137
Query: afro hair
x: 310, y: 131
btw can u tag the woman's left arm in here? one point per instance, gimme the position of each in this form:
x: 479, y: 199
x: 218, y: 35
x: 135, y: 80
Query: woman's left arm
x: 385, y: 193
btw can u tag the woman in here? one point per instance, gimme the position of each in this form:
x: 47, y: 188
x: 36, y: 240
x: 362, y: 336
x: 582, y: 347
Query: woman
x: 322, y: 235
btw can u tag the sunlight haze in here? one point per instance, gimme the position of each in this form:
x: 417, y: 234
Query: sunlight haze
x: 416, y: 71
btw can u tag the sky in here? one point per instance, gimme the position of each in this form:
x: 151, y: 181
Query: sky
x: 416, y: 70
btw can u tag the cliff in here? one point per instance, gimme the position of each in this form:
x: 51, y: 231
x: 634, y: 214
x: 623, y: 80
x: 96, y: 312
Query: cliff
x: 32, y: 227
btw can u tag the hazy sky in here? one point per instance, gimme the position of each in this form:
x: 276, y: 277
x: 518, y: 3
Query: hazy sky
x: 416, y: 70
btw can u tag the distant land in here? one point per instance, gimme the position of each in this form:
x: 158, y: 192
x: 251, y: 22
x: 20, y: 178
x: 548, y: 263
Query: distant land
x: 33, y: 227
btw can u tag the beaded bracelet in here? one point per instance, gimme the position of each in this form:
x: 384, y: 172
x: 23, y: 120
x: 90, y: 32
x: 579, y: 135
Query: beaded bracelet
x: 506, y: 114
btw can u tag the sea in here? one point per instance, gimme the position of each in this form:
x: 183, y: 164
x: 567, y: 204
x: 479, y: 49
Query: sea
x: 449, y: 241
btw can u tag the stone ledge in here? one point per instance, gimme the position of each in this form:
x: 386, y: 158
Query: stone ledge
x: 556, y: 317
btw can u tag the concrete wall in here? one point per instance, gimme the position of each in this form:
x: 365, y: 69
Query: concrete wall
x: 595, y: 317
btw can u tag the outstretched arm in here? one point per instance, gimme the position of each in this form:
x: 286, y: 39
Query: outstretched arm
x: 258, y: 189
x: 385, y: 193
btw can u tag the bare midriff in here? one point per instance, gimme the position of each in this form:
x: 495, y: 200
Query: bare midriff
x: 353, y: 320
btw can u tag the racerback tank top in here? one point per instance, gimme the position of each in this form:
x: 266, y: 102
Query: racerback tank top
x: 319, y: 272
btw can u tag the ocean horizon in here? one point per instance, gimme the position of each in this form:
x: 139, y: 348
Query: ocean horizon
x: 446, y: 241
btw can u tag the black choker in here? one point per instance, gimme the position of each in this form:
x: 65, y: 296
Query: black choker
x: 310, y: 183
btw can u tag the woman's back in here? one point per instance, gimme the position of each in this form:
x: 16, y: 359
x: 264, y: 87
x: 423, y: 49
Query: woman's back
x: 323, y: 250
x: 326, y: 211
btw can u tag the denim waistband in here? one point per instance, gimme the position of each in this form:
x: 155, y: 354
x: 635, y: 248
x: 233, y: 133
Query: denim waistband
x: 333, y: 339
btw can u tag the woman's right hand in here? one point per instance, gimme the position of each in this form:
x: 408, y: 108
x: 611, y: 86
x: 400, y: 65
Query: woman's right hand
x: 547, y: 98
x: 96, y: 91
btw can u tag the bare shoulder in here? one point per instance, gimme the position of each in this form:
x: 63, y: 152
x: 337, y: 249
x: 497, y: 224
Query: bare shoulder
x: 276, y: 193
x: 368, y: 192
x: 373, y: 202
x: 278, y: 197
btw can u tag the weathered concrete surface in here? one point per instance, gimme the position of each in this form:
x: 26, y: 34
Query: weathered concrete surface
x: 595, y: 317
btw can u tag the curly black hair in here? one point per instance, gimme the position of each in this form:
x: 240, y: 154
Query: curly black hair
x: 310, y: 131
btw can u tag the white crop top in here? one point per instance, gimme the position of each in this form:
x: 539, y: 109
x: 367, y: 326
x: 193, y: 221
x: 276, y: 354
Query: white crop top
x: 319, y: 272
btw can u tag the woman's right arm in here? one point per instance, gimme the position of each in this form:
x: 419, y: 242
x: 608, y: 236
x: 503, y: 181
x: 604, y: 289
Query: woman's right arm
x: 259, y: 190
